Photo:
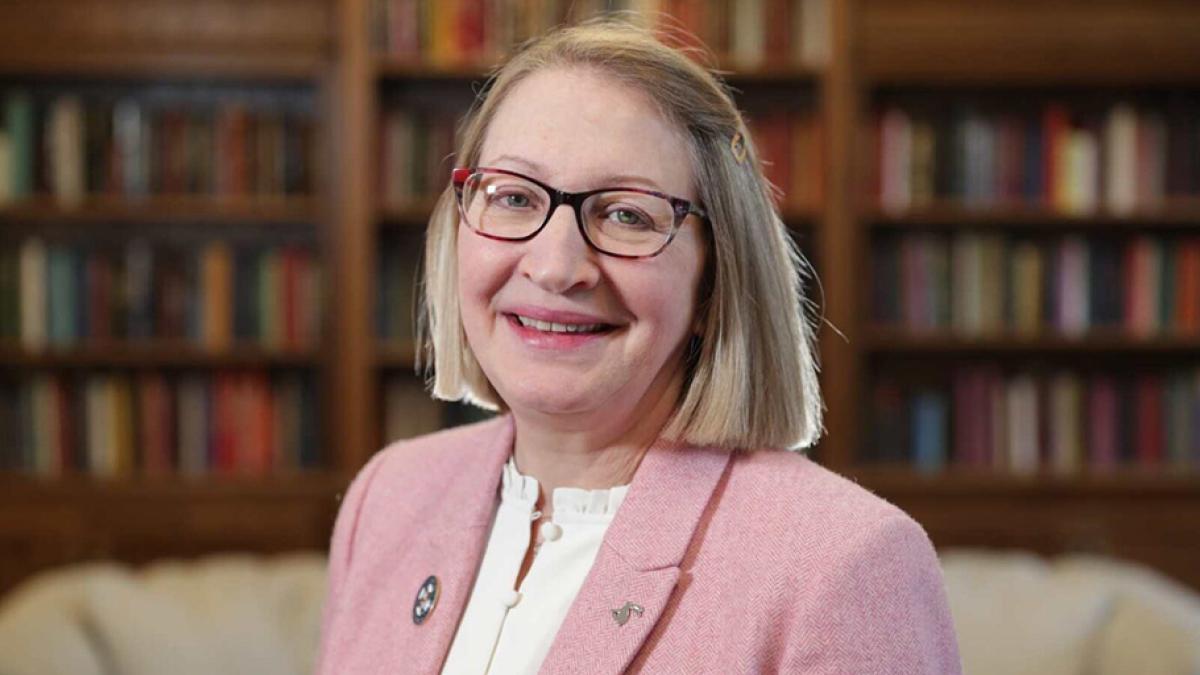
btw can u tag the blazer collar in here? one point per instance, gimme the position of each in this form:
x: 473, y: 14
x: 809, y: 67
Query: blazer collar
x: 638, y: 561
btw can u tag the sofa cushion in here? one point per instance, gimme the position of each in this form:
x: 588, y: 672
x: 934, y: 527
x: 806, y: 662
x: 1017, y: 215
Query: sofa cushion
x: 1014, y: 615
x: 1155, y: 624
x: 42, y: 628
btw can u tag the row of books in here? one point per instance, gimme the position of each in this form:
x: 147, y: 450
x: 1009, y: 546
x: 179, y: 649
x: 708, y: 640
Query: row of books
x: 1118, y: 159
x: 396, y: 299
x: 65, y: 294
x: 414, y: 153
x: 409, y: 410
x: 747, y: 33
x: 1062, y: 422
x: 975, y: 284
x: 791, y: 148
x: 71, y: 145
x: 418, y: 143
x: 114, y: 425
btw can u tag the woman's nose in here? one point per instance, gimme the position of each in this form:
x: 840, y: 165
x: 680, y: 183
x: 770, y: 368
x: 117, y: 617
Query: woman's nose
x: 558, y: 259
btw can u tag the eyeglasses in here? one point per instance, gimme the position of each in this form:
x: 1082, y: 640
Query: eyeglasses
x: 622, y: 222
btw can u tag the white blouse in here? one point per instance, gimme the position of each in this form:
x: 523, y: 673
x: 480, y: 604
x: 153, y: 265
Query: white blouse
x: 510, y: 631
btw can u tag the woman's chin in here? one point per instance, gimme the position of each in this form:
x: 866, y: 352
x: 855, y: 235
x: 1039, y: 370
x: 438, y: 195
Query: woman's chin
x: 554, y: 401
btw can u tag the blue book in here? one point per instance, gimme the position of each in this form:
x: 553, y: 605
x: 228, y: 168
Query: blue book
x: 1034, y: 164
x: 929, y: 431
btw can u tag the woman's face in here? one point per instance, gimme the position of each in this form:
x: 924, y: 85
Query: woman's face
x: 578, y: 130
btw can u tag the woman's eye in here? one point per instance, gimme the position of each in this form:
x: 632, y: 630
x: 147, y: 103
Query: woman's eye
x: 627, y: 217
x: 511, y: 199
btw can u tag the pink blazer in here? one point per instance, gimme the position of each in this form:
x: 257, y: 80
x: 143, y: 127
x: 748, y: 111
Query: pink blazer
x: 747, y: 562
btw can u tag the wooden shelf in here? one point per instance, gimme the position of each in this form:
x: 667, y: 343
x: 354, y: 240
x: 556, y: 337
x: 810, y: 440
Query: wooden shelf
x: 1180, y: 213
x: 955, y: 482
x: 154, y: 354
x: 205, y: 209
x: 406, y: 216
x: 896, y: 341
x: 995, y: 42
x: 298, y: 483
x: 395, y: 356
x: 392, y: 68
x: 167, y: 64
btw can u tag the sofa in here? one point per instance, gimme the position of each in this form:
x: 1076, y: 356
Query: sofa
x: 1015, y: 613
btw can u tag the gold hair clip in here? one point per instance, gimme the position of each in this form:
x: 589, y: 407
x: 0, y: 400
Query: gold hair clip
x: 738, y: 146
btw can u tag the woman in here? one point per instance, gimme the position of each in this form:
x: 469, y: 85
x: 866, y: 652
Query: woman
x: 607, y: 270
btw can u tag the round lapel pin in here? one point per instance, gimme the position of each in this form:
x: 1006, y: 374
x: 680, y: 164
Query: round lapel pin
x: 427, y: 597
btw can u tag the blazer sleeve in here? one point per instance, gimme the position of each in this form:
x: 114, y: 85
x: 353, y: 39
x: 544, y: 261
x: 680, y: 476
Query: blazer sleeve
x: 882, y: 609
x: 341, y: 552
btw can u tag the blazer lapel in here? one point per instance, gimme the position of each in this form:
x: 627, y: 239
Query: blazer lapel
x: 638, y: 562
x: 451, y: 550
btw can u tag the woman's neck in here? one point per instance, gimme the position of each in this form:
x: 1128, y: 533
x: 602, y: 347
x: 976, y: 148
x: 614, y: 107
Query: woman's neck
x: 588, y: 453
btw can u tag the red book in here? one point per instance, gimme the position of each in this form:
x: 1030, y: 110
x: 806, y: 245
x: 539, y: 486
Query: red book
x: 173, y: 163
x: 99, y: 287
x: 1011, y: 171
x: 469, y: 32
x: 263, y: 415
x: 1056, y: 124
x: 223, y: 451
x: 779, y: 31
x: 1149, y: 439
x: 772, y: 139
x: 1102, y: 423
x: 1187, y: 287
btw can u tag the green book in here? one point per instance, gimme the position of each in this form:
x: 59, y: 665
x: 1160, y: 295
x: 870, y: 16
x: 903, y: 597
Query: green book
x: 18, y: 120
x: 8, y: 295
x: 1166, y: 300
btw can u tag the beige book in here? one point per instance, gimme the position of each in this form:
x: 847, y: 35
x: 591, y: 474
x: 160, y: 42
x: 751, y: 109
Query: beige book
x: 1120, y: 175
x: 67, y: 151
x: 32, y: 265
x: 1066, y: 424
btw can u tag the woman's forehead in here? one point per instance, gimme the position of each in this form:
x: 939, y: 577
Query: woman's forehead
x: 581, y: 127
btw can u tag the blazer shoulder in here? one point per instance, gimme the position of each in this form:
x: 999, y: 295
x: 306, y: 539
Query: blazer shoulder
x: 404, y: 471
x: 437, y: 451
x: 807, y: 500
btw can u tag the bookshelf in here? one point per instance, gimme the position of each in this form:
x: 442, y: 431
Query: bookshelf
x: 1102, y: 459
x: 876, y: 52
x: 157, y: 156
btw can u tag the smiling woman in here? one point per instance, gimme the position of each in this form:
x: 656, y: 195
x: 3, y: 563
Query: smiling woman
x: 606, y: 268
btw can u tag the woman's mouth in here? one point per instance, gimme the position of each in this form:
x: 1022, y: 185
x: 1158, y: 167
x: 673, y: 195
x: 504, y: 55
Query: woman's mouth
x: 555, y: 335
x: 554, y: 327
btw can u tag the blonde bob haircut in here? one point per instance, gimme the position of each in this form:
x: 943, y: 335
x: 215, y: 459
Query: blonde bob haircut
x: 751, y: 372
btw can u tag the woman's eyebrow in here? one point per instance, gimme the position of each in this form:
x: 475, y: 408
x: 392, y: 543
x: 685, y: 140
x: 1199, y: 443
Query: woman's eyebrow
x: 540, y: 172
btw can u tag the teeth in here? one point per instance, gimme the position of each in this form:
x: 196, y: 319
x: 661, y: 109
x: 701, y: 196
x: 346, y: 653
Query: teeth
x: 550, y: 327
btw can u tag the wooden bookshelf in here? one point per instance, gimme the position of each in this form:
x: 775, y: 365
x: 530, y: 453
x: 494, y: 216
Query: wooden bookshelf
x: 95, y: 47
x: 155, y: 354
x: 396, y: 356
x: 991, y: 46
x: 987, y: 49
x: 1095, y: 343
x: 168, y: 209
x: 1176, y: 214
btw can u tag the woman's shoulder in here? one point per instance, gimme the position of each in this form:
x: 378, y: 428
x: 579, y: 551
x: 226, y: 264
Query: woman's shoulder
x: 441, y: 449
x: 400, y: 473
x: 806, y: 503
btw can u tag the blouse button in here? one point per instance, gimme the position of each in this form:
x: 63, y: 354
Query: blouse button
x: 551, y: 531
x: 510, y: 598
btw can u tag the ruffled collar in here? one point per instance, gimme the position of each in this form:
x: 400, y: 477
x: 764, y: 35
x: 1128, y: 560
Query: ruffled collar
x: 517, y: 487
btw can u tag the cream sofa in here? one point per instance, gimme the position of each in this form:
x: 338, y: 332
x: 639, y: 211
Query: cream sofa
x: 1015, y: 614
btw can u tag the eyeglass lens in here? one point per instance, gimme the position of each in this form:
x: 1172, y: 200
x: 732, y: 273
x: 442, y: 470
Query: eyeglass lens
x: 620, y: 222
